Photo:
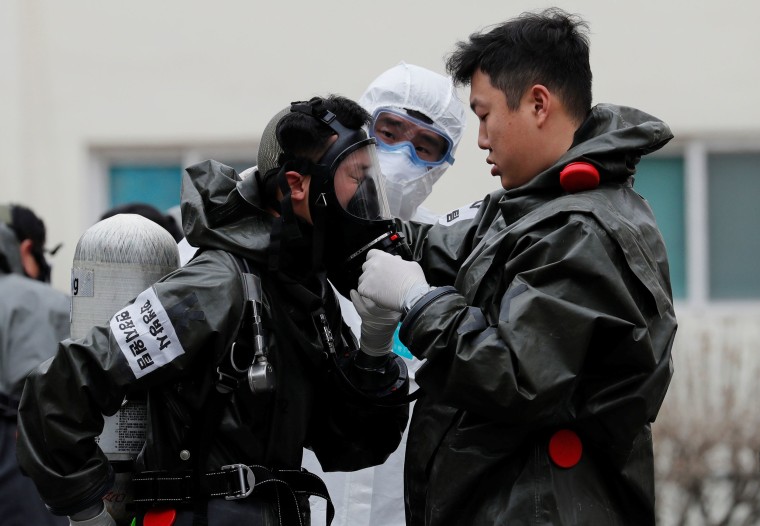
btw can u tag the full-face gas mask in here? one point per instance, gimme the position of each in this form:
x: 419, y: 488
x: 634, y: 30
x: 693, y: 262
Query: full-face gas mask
x: 347, y: 200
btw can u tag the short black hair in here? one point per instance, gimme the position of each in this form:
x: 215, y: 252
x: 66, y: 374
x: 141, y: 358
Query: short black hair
x: 291, y: 135
x: 549, y: 48
x: 27, y: 225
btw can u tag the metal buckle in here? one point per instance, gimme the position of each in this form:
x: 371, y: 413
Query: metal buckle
x: 245, y: 475
x: 225, y: 383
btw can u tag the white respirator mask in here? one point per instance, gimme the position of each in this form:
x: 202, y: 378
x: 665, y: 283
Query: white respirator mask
x: 407, y: 184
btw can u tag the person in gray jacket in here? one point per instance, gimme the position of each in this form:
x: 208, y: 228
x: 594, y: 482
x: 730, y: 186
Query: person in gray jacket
x: 546, y: 320
x: 242, y: 351
x: 34, y: 317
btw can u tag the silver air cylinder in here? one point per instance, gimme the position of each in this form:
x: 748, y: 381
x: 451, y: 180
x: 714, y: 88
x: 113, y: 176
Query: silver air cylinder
x: 115, y: 260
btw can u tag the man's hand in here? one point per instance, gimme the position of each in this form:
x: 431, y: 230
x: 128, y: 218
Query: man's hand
x: 392, y: 282
x: 378, y: 325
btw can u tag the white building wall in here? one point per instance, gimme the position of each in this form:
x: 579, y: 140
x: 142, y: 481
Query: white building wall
x: 84, y: 74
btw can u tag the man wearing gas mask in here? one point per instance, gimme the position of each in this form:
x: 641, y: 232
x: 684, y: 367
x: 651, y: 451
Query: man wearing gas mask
x: 242, y: 351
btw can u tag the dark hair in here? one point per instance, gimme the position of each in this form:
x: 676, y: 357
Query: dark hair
x: 293, y: 135
x: 148, y: 212
x: 26, y: 225
x: 301, y: 135
x: 549, y: 48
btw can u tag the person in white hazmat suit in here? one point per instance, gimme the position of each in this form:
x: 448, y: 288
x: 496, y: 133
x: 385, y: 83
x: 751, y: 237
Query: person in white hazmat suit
x: 418, y: 120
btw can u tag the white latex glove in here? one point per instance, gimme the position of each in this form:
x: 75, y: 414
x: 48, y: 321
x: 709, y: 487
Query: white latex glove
x: 95, y: 519
x: 391, y: 281
x: 378, y: 325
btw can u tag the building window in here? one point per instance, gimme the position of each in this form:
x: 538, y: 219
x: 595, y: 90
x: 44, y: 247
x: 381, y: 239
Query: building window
x: 733, y: 188
x: 153, y: 174
x: 661, y: 182
x: 705, y: 203
x: 150, y: 184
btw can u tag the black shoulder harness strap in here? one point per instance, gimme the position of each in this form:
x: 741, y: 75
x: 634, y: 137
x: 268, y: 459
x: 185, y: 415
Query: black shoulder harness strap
x: 235, y: 481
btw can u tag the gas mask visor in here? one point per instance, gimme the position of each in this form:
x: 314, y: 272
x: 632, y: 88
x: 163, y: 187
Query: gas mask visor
x: 396, y: 130
x: 359, y: 183
x: 359, y: 190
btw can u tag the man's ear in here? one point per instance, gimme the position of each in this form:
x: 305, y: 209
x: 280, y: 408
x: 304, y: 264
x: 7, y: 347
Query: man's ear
x: 31, y: 267
x: 541, y: 100
x: 296, y: 183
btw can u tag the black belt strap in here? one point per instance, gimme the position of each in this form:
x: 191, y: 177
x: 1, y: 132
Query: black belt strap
x: 235, y: 481
x: 206, y: 422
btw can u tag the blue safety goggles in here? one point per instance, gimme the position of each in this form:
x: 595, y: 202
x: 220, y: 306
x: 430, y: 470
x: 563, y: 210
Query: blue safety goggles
x: 395, y: 130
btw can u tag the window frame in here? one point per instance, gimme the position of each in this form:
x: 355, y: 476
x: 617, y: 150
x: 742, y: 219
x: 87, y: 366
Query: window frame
x: 103, y: 156
x: 696, y: 152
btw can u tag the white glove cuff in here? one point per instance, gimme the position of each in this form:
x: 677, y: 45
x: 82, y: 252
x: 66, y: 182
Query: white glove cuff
x: 377, y: 352
x: 414, y: 295
x: 101, y: 519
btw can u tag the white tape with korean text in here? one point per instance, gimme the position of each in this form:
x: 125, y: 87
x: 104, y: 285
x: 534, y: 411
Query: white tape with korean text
x: 145, y: 334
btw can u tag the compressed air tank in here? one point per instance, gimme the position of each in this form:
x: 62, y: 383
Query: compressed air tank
x: 114, y: 261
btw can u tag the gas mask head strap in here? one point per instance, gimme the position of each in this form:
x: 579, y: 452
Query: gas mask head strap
x: 346, y: 136
x: 314, y: 107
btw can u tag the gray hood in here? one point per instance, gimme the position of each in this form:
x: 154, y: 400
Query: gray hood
x: 216, y: 215
x: 612, y: 138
